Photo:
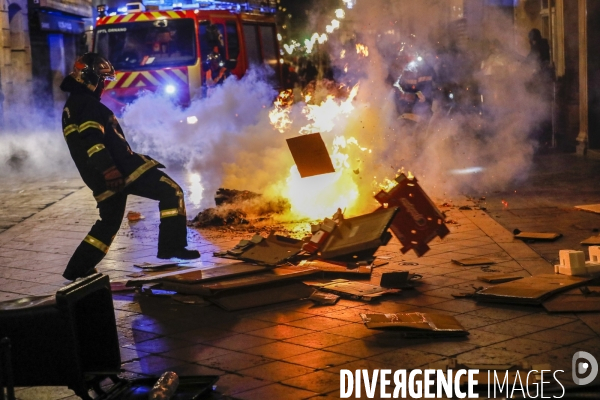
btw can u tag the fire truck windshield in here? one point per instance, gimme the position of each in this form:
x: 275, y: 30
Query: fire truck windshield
x: 144, y: 45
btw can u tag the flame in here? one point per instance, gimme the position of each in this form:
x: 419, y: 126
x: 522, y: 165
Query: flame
x: 280, y: 114
x: 325, y: 114
x: 320, y: 196
x: 362, y: 50
x: 195, y: 189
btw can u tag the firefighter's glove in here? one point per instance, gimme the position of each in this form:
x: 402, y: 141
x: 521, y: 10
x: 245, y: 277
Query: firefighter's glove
x: 113, y: 179
x: 421, y: 97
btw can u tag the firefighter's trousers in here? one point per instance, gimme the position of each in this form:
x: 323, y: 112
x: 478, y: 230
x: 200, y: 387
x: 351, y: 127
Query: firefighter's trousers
x: 172, y: 235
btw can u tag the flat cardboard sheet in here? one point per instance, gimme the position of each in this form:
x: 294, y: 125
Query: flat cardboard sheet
x: 538, y: 235
x: 146, y: 266
x: 266, y: 276
x: 353, y: 290
x: 323, y: 298
x: 575, y: 301
x: 595, y: 208
x: 498, y: 278
x: 261, y: 295
x: 416, y: 324
x: 331, y: 268
x: 591, y: 241
x: 357, y: 234
x: 199, y: 275
x: 419, y: 221
x: 310, y: 155
x: 474, y: 261
x: 274, y: 250
x: 395, y: 280
x: 530, y: 290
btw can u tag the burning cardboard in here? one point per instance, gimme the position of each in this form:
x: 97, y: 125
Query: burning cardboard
x: 310, y: 155
x: 360, y: 236
x: 530, y: 290
x: 353, y: 290
x: 418, y: 221
x: 416, y: 324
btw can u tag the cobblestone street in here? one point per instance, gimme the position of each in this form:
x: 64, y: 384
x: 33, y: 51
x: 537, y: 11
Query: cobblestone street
x: 291, y: 350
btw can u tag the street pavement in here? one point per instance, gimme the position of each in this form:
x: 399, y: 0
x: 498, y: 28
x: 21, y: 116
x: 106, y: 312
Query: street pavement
x: 295, y: 350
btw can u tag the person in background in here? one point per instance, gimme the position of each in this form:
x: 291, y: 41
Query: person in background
x: 216, y: 73
x: 414, y: 95
x: 112, y: 170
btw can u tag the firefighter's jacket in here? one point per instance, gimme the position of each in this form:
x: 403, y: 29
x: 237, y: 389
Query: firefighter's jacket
x: 415, y: 91
x: 96, y: 141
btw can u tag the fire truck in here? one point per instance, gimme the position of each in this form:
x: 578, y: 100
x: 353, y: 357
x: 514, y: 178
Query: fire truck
x: 162, y: 48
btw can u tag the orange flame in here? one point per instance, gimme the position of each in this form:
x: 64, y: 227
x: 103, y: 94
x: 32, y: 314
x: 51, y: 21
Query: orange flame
x: 362, y: 50
x: 280, y: 114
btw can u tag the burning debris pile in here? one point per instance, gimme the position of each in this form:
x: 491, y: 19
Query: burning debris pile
x: 239, y: 207
x: 276, y: 268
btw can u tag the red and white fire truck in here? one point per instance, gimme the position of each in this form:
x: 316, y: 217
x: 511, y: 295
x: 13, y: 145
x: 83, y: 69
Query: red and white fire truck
x: 160, y: 49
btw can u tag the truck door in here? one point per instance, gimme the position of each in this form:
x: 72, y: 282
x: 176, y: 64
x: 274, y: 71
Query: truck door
x: 261, y: 46
x: 222, y: 32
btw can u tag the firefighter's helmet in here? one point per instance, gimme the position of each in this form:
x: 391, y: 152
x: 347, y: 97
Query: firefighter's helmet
x: 91, y: 68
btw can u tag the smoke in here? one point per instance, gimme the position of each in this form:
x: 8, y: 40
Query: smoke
x: 467, y: 149
x: 227, y: 138
x: 32, y: 145
x: 231, y: 145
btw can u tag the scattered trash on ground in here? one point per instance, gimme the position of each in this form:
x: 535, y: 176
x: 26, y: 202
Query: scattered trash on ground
x: 352, y: 290
x: 418, y: 221
x: 399, y: 280
x: 474, y: 261
x: 536, y: 235
x: 500, y: 278
x: 416, y: 324
x: 323, y: 298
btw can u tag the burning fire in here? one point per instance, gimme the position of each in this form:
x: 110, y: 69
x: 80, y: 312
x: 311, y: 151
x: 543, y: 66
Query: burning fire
x: 280, y: 114
x: 362, y: 50
x: 320, y: 196
x: 325, y: 114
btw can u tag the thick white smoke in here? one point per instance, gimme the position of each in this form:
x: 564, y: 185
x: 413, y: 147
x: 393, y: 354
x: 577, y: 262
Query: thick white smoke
x: 458, y: 152
x: 232, y: 144
x: 34, y: 148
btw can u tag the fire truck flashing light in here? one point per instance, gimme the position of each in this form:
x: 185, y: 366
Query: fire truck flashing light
x: 252, y: 6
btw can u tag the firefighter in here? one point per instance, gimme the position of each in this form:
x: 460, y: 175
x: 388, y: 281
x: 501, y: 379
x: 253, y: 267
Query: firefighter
x: 216, y: 72
x: 414, y: 95
x: 113, y: 171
